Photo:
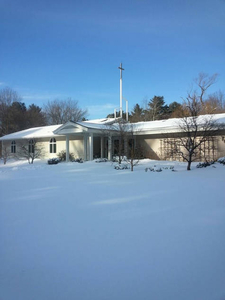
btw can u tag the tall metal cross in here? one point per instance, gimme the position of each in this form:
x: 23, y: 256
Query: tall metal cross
x: 121, y: 69
x: 121, y: 92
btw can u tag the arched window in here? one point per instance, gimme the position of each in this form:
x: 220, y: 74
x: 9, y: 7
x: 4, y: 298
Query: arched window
x: 52, y: 145
x: 13, y: 147
x: 31, y: 146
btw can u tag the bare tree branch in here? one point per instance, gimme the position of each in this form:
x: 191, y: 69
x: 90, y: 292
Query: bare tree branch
x: 61, y: 111
x: 204, y: 81
x: 31, y: 150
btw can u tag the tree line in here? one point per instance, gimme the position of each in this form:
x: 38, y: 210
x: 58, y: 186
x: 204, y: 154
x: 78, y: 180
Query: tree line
x: 157, y: 109
x: 15, y: 116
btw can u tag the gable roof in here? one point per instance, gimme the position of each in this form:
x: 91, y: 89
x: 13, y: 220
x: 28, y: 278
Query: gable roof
x: 94, y: 126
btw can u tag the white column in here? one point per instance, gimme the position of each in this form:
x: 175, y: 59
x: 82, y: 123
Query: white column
x: 85, y: 147
x: 102, y: 147
x: 91, y: 146
x: 109, y: 147
x: 67, y: 148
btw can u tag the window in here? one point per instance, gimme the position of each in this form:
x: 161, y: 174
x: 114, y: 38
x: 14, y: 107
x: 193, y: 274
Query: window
x: 13, y: 147
x: 52, y: 145
x: 31, y: 146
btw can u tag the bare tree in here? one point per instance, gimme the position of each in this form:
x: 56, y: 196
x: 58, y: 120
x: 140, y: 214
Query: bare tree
x: 204, y: 81
x: 5, y: 153
x: 215, y: 103
x: 125, y: 144
x: 134, y: 151
x: 31, y: 150
x: 61, y: 111
x: 194, y: 130
x: 7, y: 98
x: 120, y: 143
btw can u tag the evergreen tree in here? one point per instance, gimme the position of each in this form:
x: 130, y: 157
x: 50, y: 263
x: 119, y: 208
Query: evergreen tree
x: 137, y: 114
x: 118, y: 115
x: 174, y: 109
x: 14, y: 116
x: 156, y: 108
x: 35, y: 116
x: 17, y: 116
x: 7, y: 97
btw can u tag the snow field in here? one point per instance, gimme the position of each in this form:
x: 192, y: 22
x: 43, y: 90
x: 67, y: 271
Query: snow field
x: 88, y: 231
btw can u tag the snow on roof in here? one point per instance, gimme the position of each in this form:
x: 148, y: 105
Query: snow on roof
x: 90, y: 125
x: 162, y: 126
x: 172, y: 125
x: 100, y: 121
x: 36, y: 132
x: 159, y: 126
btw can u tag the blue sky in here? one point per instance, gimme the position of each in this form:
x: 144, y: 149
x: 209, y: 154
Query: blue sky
x: 59, y: 49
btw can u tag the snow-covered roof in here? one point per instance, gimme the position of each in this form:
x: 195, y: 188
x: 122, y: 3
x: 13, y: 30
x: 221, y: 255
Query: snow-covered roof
x: 150, y: 127
x: 101, y: 121
x: 36, y: 132
x: 172, y: 125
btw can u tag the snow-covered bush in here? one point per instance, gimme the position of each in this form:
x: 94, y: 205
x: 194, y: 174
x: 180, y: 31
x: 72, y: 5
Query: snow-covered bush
x: 221, y: 160
x: 159, y: 169
x: 79, y: 160
x: 53, y: 161
x: 168, y: 168
x: 205, y: 164
x: 98, y: 160
x: 122, y: 166
x: 153, y: 169
x: 117, y: 158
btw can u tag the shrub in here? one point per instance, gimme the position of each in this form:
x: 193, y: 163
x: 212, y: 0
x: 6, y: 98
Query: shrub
x: 205, y: 164
x: 79, y: 160
x: 98, y: 160
x: 159, y: 169
x: 119, y: 158
x: 53, y: 161
x: 122, y: 166
x: 62, y: 156
x: 221, y: 160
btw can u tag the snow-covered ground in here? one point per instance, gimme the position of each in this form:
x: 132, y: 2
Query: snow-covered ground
x: 90, y: 232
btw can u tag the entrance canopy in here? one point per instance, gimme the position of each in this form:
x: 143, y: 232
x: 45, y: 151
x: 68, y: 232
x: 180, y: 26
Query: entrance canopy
x: 89, y: 131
